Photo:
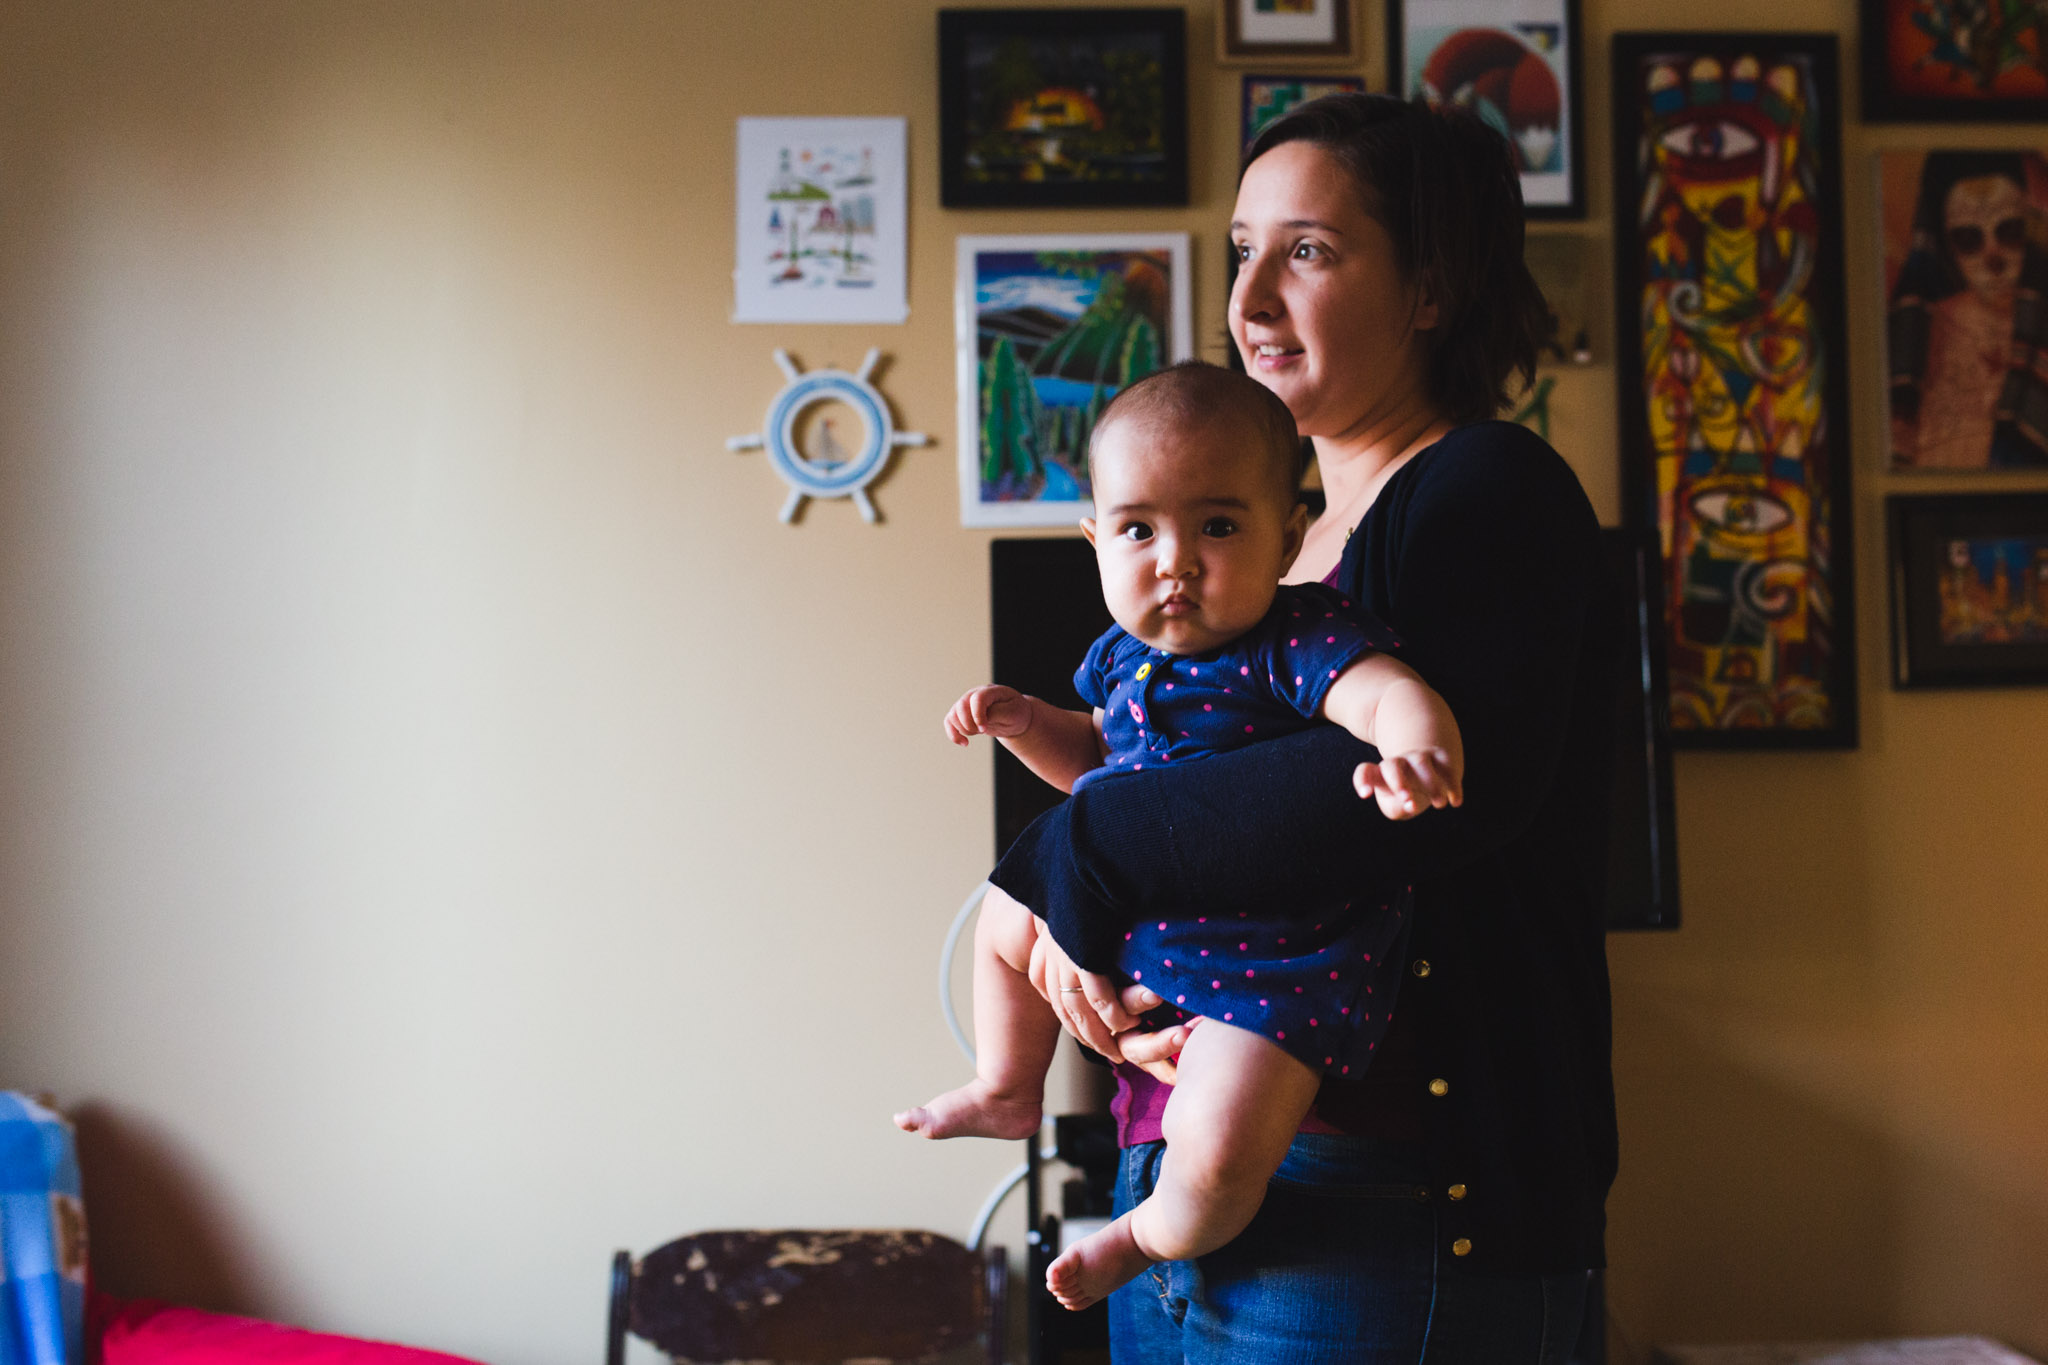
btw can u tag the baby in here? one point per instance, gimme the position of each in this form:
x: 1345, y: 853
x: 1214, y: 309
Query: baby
x: 1195, y: 472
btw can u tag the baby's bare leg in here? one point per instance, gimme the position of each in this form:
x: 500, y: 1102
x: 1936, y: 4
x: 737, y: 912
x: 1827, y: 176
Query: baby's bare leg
x: 1015, y: 1035
x: 1238, y: 1103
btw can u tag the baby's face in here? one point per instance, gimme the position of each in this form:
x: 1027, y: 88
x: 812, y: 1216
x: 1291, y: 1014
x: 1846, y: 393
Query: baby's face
x: 1192, y: 531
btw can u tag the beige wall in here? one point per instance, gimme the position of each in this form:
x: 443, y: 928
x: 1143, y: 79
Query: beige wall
x: 451, y: 830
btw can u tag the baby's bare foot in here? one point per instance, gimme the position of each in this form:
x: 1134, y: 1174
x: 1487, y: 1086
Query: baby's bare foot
x: 1087, y: 1271
x: 974, y: 1110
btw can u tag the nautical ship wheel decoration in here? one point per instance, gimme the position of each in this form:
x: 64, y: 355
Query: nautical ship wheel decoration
x: 828, y: 469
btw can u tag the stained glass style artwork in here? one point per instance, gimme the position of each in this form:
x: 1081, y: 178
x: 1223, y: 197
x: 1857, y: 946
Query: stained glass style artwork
x: 1728, y: 236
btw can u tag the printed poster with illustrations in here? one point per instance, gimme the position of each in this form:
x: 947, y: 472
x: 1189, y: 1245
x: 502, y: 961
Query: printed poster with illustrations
x: 821, y: 223
x: 1506, y: 60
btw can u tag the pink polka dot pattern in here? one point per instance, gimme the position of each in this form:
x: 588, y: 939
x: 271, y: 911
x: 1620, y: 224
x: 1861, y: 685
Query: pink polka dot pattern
x: 1332, y: 968
x: 1159, y: 708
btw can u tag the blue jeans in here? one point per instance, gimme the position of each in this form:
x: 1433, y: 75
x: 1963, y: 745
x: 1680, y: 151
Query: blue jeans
x: 1339, y: 1265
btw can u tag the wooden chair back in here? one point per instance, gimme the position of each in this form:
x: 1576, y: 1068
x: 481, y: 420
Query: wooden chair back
x: 810, y: 1296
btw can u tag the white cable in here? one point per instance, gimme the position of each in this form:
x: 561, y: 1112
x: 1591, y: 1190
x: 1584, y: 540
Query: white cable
x: 996, y: 1196
x: 967, y: 909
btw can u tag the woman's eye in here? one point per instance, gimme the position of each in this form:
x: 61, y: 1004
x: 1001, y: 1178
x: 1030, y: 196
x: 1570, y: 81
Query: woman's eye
x: 1307, y: 251
x: 1241, y: 251
x: 1136, y: 530
x: 1219, y: 527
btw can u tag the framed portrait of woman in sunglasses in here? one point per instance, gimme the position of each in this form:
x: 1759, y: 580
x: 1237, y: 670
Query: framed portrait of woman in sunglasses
x: 1966, y: 337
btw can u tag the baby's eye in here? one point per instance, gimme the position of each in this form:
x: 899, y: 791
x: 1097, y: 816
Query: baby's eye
x: 1219, y: 527
x: 1135, y: 530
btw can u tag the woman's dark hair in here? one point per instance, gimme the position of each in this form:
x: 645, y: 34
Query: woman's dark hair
x: 1447, y: 190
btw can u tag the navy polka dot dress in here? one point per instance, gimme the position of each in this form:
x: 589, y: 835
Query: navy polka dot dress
x: 1326, y: 993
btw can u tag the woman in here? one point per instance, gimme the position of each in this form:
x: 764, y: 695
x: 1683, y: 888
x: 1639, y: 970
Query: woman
x: 1447, y: 1207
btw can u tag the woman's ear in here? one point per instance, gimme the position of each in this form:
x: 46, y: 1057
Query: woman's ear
x: 1427, y: 314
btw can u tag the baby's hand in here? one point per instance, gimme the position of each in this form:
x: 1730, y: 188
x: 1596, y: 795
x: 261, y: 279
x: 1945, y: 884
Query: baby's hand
x: 1408, y: 784
x: 1003, y: 712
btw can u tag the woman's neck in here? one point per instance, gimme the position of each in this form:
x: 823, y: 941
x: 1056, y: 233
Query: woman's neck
x: 1354, y: 468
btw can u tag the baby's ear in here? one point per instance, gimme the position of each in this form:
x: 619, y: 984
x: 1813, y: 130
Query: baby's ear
x: 1088, y: 529
x: 1293, y: 533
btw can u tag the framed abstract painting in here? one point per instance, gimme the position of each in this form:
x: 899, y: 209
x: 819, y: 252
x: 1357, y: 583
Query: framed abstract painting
x: 1514, y: 63
x: 1268, y: 97
x: 1042, y: 108
x: 1732, y: 360
x: 1955, y: 61
x: 1048, y: 329
x: 1969, y: 589
x: 1965, y: 237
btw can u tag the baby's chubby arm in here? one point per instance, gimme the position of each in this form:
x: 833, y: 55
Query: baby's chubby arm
x: 1422, y: 758
x: 1056, y: 744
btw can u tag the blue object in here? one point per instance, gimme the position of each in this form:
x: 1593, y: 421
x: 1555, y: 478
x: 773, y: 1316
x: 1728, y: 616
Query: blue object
x: 42, y: 1238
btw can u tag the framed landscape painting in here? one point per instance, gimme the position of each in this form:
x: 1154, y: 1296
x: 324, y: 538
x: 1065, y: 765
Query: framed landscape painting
x: 1060, y: 108
x: 1048, y: 329
x: 1969, y: 589
x: 1955, y: 61
x: 1732, y: 360
x: 1514, y: 63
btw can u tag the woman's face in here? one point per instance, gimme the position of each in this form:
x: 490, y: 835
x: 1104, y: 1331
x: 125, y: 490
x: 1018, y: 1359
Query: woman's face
x: 1320, y: 312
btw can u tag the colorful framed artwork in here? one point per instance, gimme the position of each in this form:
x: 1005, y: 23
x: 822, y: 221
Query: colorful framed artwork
x: 1048, y: 329
x: 1955, y: 61
x: 822, y: 222
x: 1969, y: 589
x: 1515, y: 63
x: 1253, y: 30
x: 1268, y: 97
x: 1059, y: 108
x: 1966, y: 343
x: 1730, y: 347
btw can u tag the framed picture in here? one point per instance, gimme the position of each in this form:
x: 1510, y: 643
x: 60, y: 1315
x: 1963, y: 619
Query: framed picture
x: 1047, y: 108
x: 1955, y: 62
x: 1969, y: 589
x: 1268, y: 97
x: 1515, y: 63
x: 1048, y: 329
x: 1253, y: 30
x: 1729, y: 342
x: 1965, y: 259
x: 822, y: 214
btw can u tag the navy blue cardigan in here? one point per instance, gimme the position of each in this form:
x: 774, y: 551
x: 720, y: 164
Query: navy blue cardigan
x: 1484, y: 555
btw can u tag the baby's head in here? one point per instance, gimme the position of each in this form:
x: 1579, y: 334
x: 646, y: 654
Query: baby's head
x: 1195, y: 471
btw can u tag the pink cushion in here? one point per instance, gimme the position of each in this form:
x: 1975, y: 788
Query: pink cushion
x: 146, y: 1332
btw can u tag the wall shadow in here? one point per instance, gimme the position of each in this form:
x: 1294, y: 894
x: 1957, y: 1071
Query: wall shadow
x: 157, y: 1231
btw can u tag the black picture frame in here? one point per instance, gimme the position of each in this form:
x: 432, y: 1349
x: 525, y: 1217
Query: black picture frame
x: 1539, y: 190
x: 1906, y: 78
x: 1771, y: 662
x: 1068, y: 46
x: 1945, y: 555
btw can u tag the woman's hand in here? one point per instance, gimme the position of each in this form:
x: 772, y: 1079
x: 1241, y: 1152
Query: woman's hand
x: 1158, y: 1053
x: 1089, y: 1006
x: 1085, y: 1002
